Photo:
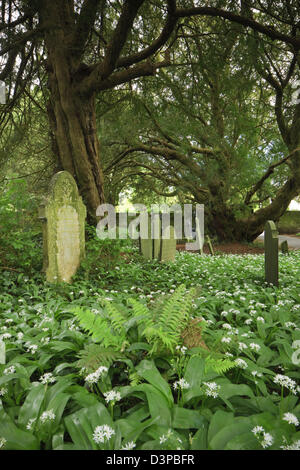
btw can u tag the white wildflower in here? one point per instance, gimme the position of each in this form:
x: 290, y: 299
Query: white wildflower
x: 47, y: 378
x: 30, y: 424
x: 128, y: 446
x: 241, y: 363
x: 95, y: 376
x: 291, y: 418
x: 211, y: 389
x: 255, y: 346
x: 182, y: 384
x: 102, y: 433
x: 112, y: 396
x: 9, y: 370
x: 47, y: 416
x: 285, y: 381
x: 3, y: 441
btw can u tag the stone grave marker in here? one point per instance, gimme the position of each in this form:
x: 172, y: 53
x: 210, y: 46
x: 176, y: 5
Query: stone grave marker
x: 199, y: 236
x: 146, y: 244
x: 284, y: 247
x: 155, y: 246
x: 168, y: 246
x: 63, y: 214
x: 271, y: 253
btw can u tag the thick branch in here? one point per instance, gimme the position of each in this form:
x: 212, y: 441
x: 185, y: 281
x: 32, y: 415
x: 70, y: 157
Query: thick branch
x: 268, y: 173
x: 217, y: 12
x: 157, y: 44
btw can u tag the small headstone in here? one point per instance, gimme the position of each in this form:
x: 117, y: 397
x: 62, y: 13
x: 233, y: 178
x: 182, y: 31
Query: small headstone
x: 63, y: 214
x: 284, y: 247
x: 168, y: 246
x: 271, y: 253
x: 199, y: 236
x: 147, y: 243
x: 155, y: 246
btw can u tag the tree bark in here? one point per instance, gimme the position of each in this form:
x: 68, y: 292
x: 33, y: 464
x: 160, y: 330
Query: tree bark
x: 71, y: 114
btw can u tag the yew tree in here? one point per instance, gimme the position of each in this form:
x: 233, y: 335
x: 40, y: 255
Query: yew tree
x: 85, y: 47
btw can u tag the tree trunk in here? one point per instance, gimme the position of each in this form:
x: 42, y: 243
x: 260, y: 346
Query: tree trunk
x: 72, y: 115
x: 76, y: 144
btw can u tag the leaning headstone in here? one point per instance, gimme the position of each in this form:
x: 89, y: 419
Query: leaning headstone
x: 284, y: 247
x: 271, y: 253
x: 210, y: 247
x: 63, y: 214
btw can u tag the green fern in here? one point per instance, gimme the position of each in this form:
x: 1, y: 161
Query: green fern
x: 220, y: 366
x: 164, y: 327
x: 101, y: 329
x: 95, y: 355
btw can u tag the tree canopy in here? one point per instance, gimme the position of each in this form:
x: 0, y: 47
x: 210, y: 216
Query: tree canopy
x: 216, y: 121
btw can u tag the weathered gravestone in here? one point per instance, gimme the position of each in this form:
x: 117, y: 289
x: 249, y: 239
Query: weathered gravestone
x: 161, y: 241
x: 63, y: 214
x: 199, y: 236
x: 271, y: 253
x: 168, y: 245
x: 284, y: 247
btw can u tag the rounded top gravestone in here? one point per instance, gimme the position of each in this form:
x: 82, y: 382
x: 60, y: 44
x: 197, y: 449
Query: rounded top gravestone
x: 63, y: 214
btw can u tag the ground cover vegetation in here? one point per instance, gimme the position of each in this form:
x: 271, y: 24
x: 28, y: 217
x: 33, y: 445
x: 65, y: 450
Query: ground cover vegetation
x: 197, y: 354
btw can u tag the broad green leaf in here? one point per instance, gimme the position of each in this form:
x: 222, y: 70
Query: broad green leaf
x: 32, y: 405
x: 221, y: 438
x: 16, y: 438
x: 219, y: 420
x: 148, y: 371
x: 157, y: 402
x: 186, y: 419
x: 231, y: 390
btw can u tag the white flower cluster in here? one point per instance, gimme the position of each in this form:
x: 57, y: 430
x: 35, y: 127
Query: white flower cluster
x: 241, y: 363
x: 112, y: 396
x: 128, y: 446
x: 265, y: 439
x: 102, y: 433
x: 3, y: 391
x: 182, y: 384
x: 94, y: 377
x: 165, y: 437
x: 291, y: 418
x: 294, y: 446
x: 3, y: 441
x: 286, y: 382
x: 31, y: 347
x: 211, y: 389
x: 47, y: 416
x: 47, y: 378
x: 182, y: 349
x: 9, y: 370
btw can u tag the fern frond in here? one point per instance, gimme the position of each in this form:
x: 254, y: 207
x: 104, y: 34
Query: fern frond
x: 95, y: 355
x: 220, y: 366
x: 116, y: 318
x: 100, y: 329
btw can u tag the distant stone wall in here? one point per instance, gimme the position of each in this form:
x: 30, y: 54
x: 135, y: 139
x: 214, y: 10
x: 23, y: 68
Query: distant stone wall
x: 289, y: 222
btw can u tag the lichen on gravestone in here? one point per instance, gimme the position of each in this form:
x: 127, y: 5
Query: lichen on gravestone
x: 271, y: 253
x: 63, y: 216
